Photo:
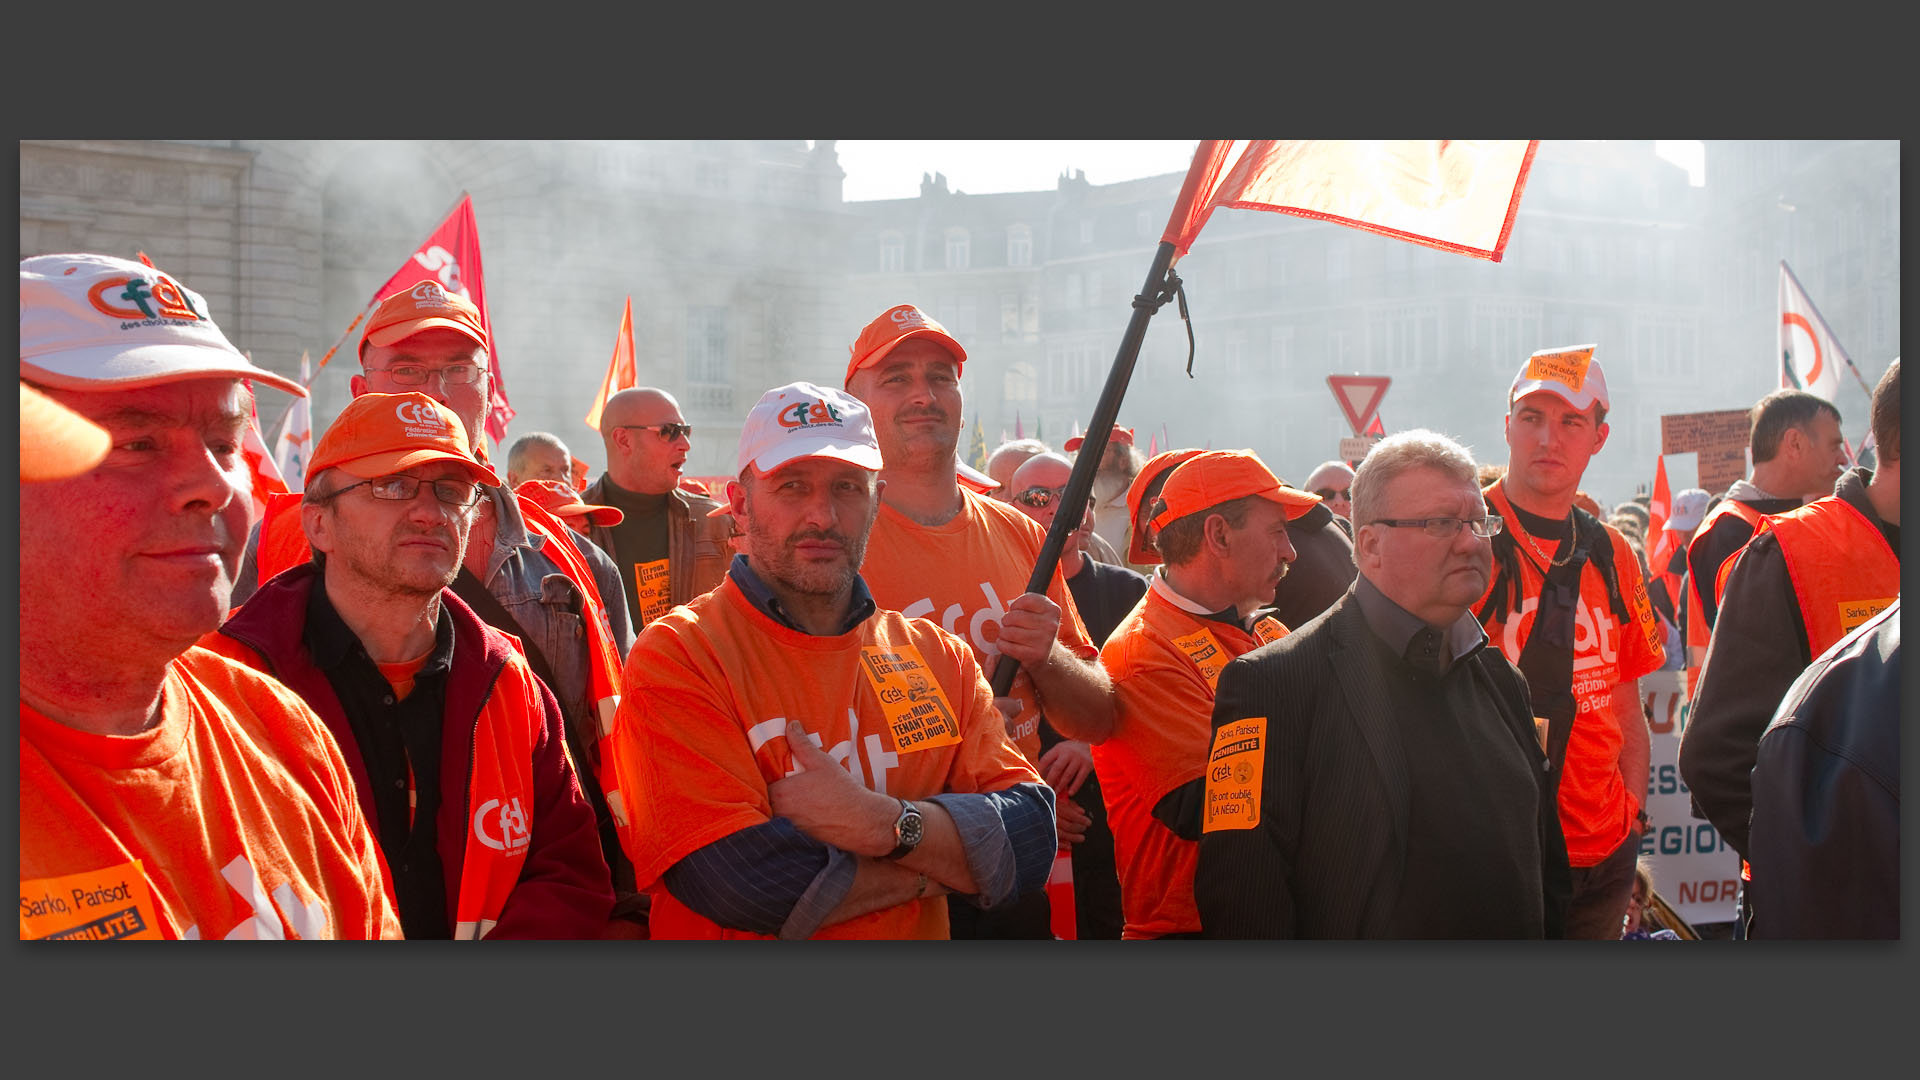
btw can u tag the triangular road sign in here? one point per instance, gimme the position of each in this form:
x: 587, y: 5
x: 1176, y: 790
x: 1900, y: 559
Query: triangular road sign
x: 1359, y: 397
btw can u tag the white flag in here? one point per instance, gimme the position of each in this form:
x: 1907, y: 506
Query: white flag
x: 1810, y: 356
x: 295, y: 441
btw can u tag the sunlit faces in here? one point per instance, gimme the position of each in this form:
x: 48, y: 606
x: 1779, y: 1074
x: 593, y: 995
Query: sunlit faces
x: 1824, y: 455
x: 1433, y: 578
x: 806, y: 523
x: 1049, y: 473
x: 652, y: 464
x: 137, y: 555
x: 914, y: 395
x: 1549, y: 443
x: 543, y: 461
x: 434, y: 350
x: 1258, y: 554
x: 1334, y: 484
x: 404, y: 547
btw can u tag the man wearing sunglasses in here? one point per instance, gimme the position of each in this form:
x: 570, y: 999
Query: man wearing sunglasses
x: 1377, y: 773
x: 458, y: 752
x: 1333, y: 482
x: 668, y: 549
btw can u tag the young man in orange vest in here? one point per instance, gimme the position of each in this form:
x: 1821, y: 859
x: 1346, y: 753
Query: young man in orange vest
x: 1568, y: 606
x: 799, y: 762
x: 963, y: 559
x: 525, y: 573
x: 165, y: 792
x: 1798, y: 453
x: 1808, y: 576
x: 1222, y: 521
x: 458, y: 752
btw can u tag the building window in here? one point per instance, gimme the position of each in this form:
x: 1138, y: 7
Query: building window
x: 1280, y: 355
x: 1504, y: 335
x: 1234, y: 353
x: 707, y: 347
x: 962, y: 321
x: 710, y: 176
x: 1009, y: 316
x: 957, y: 249
x: 1093, y: 288
x: 893, y: 252
x: 1086, y: 230
x: 1404, y: 339
x: 1074, y: 296
x: 1663, y: 349
x: 1019, y: 245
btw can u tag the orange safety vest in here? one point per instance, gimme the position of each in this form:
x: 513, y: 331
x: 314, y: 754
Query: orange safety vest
x: 1842, y: 570
x: 1697, y: 629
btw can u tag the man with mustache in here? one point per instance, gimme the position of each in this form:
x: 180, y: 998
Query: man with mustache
x: 165, y: 792
x: 1376, y: 774
x: 799, y: 761
x: 1567, y: 604
x: 458, y: 752
x: 1223, y: 521
x: 670, y: 545
x: 963, y: 560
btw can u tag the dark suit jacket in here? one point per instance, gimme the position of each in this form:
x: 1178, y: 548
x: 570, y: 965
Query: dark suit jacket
x: 1325, y: 860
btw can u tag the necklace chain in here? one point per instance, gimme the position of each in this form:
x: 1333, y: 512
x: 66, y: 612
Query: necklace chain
x: 1565, y: 554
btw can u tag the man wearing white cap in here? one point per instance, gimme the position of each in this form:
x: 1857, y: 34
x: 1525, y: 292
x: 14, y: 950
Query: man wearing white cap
x: 164, y: 791
x: 796, y: 761
x: 1568, y: 606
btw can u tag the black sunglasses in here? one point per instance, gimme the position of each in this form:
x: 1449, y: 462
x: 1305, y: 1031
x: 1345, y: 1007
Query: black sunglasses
x: 668, y: 432
x: 1333, y: 493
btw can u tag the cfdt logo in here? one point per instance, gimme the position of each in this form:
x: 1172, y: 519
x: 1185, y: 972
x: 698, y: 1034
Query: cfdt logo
x: 808, y: 414
x: 430, y: 294
x: 509, y: 829
x: 441, y: 263
x: 136, y: 298
x: 420, y: 414
x: 907, y: 317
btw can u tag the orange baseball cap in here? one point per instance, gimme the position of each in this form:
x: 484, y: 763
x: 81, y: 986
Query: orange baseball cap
x: 1216, y: 476
x: 55, y: 441
x: 1120, y: 434
x: 900, y: 323
x: 426, y: 306
x: 1138, y: 551
x: 563, y: 501
x: 380, y: 434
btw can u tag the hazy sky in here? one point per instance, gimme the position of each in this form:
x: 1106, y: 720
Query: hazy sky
x: 891, y: 169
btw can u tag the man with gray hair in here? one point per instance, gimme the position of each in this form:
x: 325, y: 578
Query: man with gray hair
x: 538, y: 455
x: 1377, y: 773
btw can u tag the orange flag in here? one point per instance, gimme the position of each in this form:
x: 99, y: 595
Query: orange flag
x: 620, y: 370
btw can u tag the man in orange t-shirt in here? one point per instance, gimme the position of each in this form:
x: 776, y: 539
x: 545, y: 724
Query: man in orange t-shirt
x: 1222, y: 520
x: 796, y: 761
x: 164, y: 791
x: 1568, y: 606
x: 963, y: 560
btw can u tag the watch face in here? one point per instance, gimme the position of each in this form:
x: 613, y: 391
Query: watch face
x: 910, y: 828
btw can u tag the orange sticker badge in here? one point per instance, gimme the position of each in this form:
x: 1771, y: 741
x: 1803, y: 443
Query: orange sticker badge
x: 112, y: 904
x: 1855, y: 612
x: 1234, y: 769
x: 1205, y: 652
x: 1269, y: 629
x: 650, y: 584
x: 910, y: 697
x: 1565, y: 366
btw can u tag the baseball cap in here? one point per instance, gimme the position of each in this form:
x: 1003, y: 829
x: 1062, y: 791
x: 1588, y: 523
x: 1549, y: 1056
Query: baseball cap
x: 379, y: 434
x: 55, y: 441
x: 800, y: 420
x: 1216, y: 476
x: 1120, y: 435
x: 426, y: 306
x: 1569, y: 373
x: 899, y: 323
x: 973, y: 479
x: 1689, y: 508
x: 94, y: 322
x: 1138, y: 552
x: 562, y: 500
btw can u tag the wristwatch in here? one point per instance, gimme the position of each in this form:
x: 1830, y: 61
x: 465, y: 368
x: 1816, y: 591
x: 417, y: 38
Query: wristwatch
x: 906, y: 831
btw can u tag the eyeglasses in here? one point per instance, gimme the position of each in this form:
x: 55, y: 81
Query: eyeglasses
x: 403, y: 488
x: 668, y: 432
x: 1333, y: 493
x: 1445, y: 528
x: 416, y: 375
x: 1040, y: 498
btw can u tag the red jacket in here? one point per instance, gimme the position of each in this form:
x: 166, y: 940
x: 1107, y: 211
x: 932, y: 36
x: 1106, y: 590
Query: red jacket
x: 562, y: 888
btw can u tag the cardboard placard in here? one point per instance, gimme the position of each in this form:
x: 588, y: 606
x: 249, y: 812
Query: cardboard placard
x: 1718, y: 438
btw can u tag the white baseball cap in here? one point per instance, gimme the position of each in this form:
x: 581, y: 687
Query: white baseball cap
x: 94, y: 322
x: 804, y: 420
x: 1689, y: 507
x: 1569, y: 372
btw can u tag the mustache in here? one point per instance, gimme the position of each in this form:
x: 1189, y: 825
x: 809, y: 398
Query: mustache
x: 931, y: 412
x: 821, y: 534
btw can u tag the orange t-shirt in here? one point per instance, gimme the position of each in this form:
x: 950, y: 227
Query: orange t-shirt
x: 233, y: 817
x: 1596, y: 809
x: 1164, y: 663
x: 962, y: 575
x: 701, y: 732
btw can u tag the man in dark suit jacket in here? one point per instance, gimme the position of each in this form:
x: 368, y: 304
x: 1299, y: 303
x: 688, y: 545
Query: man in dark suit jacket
x: 1377, y: 773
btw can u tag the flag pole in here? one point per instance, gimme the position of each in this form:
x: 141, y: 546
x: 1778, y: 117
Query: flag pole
x: 1094, y: 444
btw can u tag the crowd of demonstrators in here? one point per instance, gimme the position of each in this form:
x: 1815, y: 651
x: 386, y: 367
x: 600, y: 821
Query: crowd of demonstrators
x: 165, y: 791
x: 422, y: 698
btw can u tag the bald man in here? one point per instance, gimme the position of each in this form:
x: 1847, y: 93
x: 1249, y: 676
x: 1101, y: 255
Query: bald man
x: 667, y: 549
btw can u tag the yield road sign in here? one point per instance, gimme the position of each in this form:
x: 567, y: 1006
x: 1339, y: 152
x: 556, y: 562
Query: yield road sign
x: 1359, y: 397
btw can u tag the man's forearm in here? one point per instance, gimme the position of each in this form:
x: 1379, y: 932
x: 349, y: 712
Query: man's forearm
x: 1636, y: 740
x: 940, y: 855
x: 1076, y: 695
x: 879, y: 884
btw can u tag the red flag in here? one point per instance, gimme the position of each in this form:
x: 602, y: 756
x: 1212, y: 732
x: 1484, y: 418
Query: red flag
x: 1153, y: 446
x: 1661, y: 541
x: 620, y: 370
x: 452, y: 257
x: 1375, y: 428
x: 1458, y: 195
x: 1190, y: 210
x: 260, y: 466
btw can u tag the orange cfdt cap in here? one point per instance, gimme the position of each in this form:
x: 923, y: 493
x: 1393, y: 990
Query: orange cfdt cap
x: 1216, y: 476
x: 1121, y: 435
x: 1139, y: 552
x: 381, y: 434
x: 426, y: 306
x: 562, y: 501
x: 903, y: 322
